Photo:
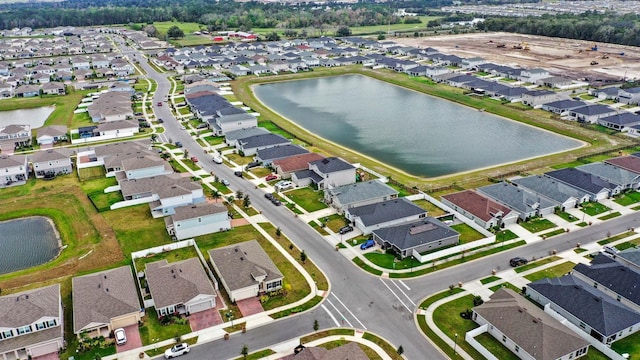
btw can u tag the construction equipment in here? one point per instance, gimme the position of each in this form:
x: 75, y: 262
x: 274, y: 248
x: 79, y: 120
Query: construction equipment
x: 501, y: 46
x: 522, y: 46
x: 594, y: 62
x: 605, y: 56
x: 594, y: 47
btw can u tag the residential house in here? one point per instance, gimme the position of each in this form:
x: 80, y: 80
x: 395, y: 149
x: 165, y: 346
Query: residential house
x: 359, y: 194
x: 536, y: 98
x: 32, y: 323
x: 199, y: 219
x: 567, y: 196
x: 586, y: 307
x: 237, y: 120
x: 384, y: 214
x: 630, y: 163
x: 14, y: 136
x: 624, y: 179
x: 424, y: 235
x: 105, y: 301
x: 622, y: 121
x: 526, y: 203
x: 591, y: 113
x: 180, y: 287
x: 111, y: 106
x: 137, y: 166
x: 350, y: 351
x: 249, y: 146
x: 284, y: 167
x: 629, y: 257
x: 526, y: 330
x: 117, y: 129
x: 608, y: 93
x: 232, y: 137
x: 50, y: 135
x: 239, y: 70
x: 562, y: 107
x: 27, y: 91
x: 512, y: 93
x: 327, y: 172
x: 593, y: 185
x: 629, y: 96
x: 14, y: 170
x: 533, y: 75
x: 268, y: 155
x: 52, y: 162
x: 472, y: 63
x: 481, y: 209
x: 245, y: 270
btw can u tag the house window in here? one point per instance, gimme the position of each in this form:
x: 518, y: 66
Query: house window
x: 422, y: 216
x: 582, y: 325
x: 274, y: 285
x: 6, y: 334
x: 41, y: 326
x: 51, y: 323
x: 595, y: 285
x: 618, y: 297
x: 517, y: 348
x: 24, y: 330
x: 199, y: 220
x: 504, y: 338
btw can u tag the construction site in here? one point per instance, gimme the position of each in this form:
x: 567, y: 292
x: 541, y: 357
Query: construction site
x: 596, y: 63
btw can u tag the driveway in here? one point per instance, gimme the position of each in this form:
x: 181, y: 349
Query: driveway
x: 250, y: 306
x: 133, y: 339
x: 50, y: 356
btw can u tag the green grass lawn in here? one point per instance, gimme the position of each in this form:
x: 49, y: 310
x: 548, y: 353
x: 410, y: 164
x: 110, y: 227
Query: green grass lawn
x: 401, y: 191
x: 318, y: 228
x: 214, y: 140
x: 447, y: 318
x: 553, y: 233
x: 495, y: 347
x: 176, y: 255
x: 505, y: 235
x: 566, y: 216
x: 240, y: 160
x: 260, y: 171
x: 335, y: 222
x: 628, y: 198
x: 97, y: 184
x: 554, y: 271
x: 616, y: 237
x: 103, y: 201
x: 629, y: 244
x: 432, y: 210
x: 629, y: 345
x: 610, y: 215
x: 275, y: 129
x: 467, y: 233
x: 489, y: 279
x: 307, y: 198
x: 153, y: 331
x: 177, y: 167
x: 136, y: 229
x: 507, y: 285
x: 593, y: 208
x: 90, y: 173
x: 537, y: 224
x: 535, y: 264
x: 389, y: 261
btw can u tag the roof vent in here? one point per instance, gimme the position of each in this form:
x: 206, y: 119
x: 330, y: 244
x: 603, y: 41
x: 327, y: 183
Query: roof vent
x: 174, y: 276
x: 241, y: 258
x: 236, y: 249
x: 106, y: 289
x: 172, y: 271
x: 105, y: 276
x: 99, y: 286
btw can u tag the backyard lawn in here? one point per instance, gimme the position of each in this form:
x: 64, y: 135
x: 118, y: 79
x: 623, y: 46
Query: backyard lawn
x: 136, y: 229
x: 629, y: 345
x: 495, y: 347
x: 554, y: 271
x: 537, y: 224
x: 432, y: 210
x: 307, y: 198
x: 467, y: 233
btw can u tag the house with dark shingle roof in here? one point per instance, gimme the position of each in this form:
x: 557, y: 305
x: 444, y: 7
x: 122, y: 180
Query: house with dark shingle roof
x: 624, y: 179
x: 596, y: 187
x: 180, y: 287
x: 630, y: 257
x: 198, y: 219
x: 268, y: 155
x: 249, y: 146
x: 383, y: 214
x: 586, y: 307
x: 567, y: 196
x: 359, y: 194
x: 527, y: 330
x: 526, y: 203
x: 481, y: 209
x: 32, y: 323
x: 326, y: 173
x: 245, y: 270
x: 538, y: 97
x: 232, y: 137
x: 105, y: 301
x: 562, y: 107
x: 621, y: 121
x: 629, y: 96
x: 419, y: 236
x: 591, y: 113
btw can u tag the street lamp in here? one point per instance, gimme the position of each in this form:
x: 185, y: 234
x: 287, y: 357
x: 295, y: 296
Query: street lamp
x: 229, y: 316
x: 455, y: 342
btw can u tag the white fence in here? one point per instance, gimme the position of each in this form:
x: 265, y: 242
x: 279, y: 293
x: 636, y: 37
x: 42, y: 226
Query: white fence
x: 381, y: 177
x: 121, y: 204
x: 470, y: 338
x: 453, y: 250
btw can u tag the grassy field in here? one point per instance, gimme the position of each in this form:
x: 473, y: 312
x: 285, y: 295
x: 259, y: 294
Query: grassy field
x: 432, y: 210
x: 447, y: 318
x: 551, y: 272
x: 628, y: 198
x: 537, y: 224
x: 467, y: 233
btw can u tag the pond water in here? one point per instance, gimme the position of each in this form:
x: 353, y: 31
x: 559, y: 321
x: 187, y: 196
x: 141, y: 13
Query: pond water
x: 414, y: 132
x: 34, y: 117
x: 26, y: 242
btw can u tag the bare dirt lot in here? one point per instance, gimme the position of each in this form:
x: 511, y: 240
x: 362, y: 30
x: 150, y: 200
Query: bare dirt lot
x: 562, y: 57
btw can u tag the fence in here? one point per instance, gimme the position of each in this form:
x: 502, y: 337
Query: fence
x: 470, y: 338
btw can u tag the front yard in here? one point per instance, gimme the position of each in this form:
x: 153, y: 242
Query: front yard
x: 628, y: 198
x: 307, y: 198
x: 537, y: 224
x: 153, y: 331
x: 552, y: 272
x: 593, y: 208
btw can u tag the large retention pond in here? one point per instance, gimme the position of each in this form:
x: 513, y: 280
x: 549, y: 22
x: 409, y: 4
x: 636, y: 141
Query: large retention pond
x: 33, y: 117
x: 417, y: 133
x: 26, y: 242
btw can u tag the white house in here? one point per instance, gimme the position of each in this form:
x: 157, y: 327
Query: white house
x: 14, y: 170
x: 195, y: 220
x: 52, y: 162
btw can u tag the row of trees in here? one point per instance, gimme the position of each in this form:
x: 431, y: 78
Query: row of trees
x: 591, y: 26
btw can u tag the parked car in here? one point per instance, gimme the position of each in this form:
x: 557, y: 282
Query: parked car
x: 217, y: 159
x: 276, y: 202
x: 284, y: 185
x: 367, y: 244
x: 183, y: 127
x: 224, y: 182
x: 517, y: 261
x: 177, y: 350
x: 160, y: 121
x: 271, y: 177
x: 237, y: 173
x: 201, y: 126
x: 120, y: 335
x: 194, y: 159
x: 269, y: 196
x: 253, y: 164
x: 345, y: 229
x: 159, y: 103
x: 178, y: 144
x: 610, y: 250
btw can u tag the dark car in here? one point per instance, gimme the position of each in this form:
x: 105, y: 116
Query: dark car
x: 276, y: 202
x: 346, y: 229
x: 517, y: 261
x: 253, y: 164
x: 160, y: 121
x: 178, y: 144
x: 269, y: 196
x: 237, y: 173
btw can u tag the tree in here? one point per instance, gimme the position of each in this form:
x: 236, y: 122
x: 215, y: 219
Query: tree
x: 343, y: 31
x: 186, y: 153
x: 175, y: 32
x: 400, y: 350
x: 165, y: 155
x: 273, y: 36
x: 303, y: 256
x: 316, y: 326
x: 151, y: 30
x: 239, y: 194
x: 245, y: 351
x: 229, y: 199
x: 215, y: 194
x: 154, y: 137
x: 278, y: 232
x: 246, y: 201
x: 381, y: 37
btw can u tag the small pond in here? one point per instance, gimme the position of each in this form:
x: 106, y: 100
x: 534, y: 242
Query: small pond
x: 34, y: 117
x: 27, y: 242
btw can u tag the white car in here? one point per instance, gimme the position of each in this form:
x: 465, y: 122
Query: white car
x: 177, y: 350
x: 217, y: 159
x: 183, y: 128
x: 284, y: 185
x: 121, y: 336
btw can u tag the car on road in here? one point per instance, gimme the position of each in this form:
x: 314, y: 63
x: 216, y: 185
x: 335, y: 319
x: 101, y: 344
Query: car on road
x: 160, y: 121
x: 268, y: 196
x: 271, y: 177
x: 224, y: 182
x: 177, y: 350
x: 517, y: 261
x: 159, y: 103
x: 194, y: 159
x: 283, y: 185
x: 237, y: 173
x: 367, y: 244
x: 217, y: 159
x: 183, y: 128
x: 120, y: 335
x: 276, y: 202
x: 345, y: 229
x: 178, y: 144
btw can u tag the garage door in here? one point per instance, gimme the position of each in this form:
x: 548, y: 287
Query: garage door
x: 44, y: 349
x: 201, y: 306
x: 246, y: 293
x: 124, y: 321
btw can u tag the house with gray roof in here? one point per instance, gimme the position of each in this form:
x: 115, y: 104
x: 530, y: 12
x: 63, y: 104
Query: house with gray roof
x: 567, y: 196
x: 359, y: 194
x: 630, y: 257
x: 624, y: 179
x: 608, y: 93
x: 190, y: 221
x: 591, y: 113
x: 180, y: 287
x: 14, y: 170
x: 250, y: 146
x: 424, y: 235
x: 105, y: 301
x: 617, y: 280
x: 535, y: 98
x: 326, y: 173
x: 52, y: 162
x: 245, y: 270
x: 50, y: 135
x: 141, y: 166
x: 562, y: 107
x: 14, y: 136
x: 596, y: 187
x: 526, y: 330
x: 622, y: 121
x: 629, y: 96
x: 586, y: 307
x: 232, y: 137
x: 268, y: 155
x: 526, y: 203
x: 350, y: 351
x: 383, y: 214
x: 481, y: 209
x: 31, y: 323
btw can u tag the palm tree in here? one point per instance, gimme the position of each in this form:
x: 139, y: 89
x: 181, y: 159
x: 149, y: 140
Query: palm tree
x: 186, y: 153
x: 154, y: 137
x: 215, y: 194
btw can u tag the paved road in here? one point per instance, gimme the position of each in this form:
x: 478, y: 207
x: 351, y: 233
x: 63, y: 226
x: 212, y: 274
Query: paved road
x: 357, y: 299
